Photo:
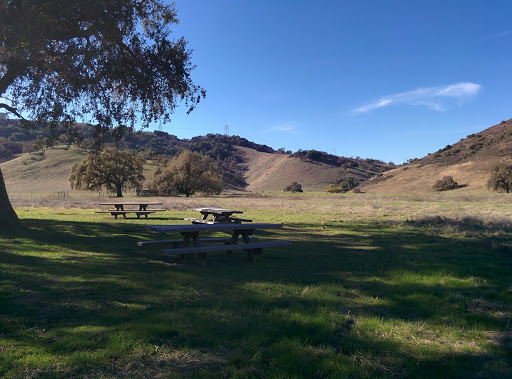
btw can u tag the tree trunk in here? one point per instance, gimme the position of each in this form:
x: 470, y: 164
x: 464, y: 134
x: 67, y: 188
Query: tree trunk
x: 8, y: 217
x: 119, y: 192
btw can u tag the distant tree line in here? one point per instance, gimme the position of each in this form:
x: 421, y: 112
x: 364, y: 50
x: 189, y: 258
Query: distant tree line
x: 367, y: 164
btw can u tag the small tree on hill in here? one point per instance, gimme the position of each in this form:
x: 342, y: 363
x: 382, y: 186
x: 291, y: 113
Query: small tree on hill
x: 501, y: 178
x: 187, y: 174
x: 112, y: 169
x: 346, y: 185
x: 445, y: 184
x: 294, y: 187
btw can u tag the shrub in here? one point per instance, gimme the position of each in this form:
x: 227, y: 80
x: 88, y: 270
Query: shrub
x: 345, y: 186
x: 445, y: 184
x: 294, y: 187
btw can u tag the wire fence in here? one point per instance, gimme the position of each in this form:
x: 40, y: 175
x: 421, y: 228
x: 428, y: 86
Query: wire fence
x: 66, y: 194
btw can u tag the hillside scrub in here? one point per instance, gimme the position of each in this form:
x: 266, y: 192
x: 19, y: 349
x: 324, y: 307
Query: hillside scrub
x: 293, y: 188
x: 346, y: 185
x: 445, y: 184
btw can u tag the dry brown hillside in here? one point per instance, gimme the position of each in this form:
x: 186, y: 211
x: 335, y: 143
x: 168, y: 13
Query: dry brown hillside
x: 273, y: 172
x: 468, y: 161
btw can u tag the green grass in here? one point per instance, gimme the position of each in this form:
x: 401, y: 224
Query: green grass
x: 371, y: 287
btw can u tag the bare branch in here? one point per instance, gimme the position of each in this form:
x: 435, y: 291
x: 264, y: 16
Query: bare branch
x: 12, y: 110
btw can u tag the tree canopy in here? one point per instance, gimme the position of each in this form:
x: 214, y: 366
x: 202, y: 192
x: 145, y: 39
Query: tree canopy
x: 112, y: 169
x: 111, y: 62
x: 187, y: 174
x: 501, y: 178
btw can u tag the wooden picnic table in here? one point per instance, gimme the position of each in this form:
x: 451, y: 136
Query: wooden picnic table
x: 220, y: 215
x: 143, y: 205
x: 142, y: 209
x: 193, y: 237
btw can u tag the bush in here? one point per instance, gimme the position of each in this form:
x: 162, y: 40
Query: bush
x: 445, y: 184
x: 294, y: 187
x: 346, y: 185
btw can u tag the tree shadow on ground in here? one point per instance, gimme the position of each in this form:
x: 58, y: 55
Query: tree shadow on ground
x: 90, y: 284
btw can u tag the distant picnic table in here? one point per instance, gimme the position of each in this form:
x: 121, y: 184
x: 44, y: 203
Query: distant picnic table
x: 140, y: 208
x: 220, y: 215
x: 193, y: 239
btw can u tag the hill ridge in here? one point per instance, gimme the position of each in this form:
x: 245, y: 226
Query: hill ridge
x: 469, y: 161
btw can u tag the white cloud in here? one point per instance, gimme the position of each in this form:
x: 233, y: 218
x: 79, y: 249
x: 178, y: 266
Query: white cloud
x: 287, y: 127
x: 436, y: 98
x: 503, y: 34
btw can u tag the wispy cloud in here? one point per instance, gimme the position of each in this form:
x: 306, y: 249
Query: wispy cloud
x: 287, y: 127
x: 436, y: 98
x: 502, y: 34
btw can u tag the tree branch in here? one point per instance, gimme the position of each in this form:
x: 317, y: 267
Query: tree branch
x: 12, y: 110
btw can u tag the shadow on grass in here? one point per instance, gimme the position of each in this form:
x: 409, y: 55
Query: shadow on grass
x: 86, y: 297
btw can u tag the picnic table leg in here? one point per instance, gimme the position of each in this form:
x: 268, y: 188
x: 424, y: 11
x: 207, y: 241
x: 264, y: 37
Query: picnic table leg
x: 186, y: 240
x: 199, y: 258
x: 234, y: 238
x: 245, y: 235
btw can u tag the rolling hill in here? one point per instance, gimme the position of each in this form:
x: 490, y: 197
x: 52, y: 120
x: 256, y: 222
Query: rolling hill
x: 260, y: 168
x: 262, y: 171
x: 245, y: 165
x: 469, y: 161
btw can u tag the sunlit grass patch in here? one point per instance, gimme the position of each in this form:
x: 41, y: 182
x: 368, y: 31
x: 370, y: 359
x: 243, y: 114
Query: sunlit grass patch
x: 361, y: 292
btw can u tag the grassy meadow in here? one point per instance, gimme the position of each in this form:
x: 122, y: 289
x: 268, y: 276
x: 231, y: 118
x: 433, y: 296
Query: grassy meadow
x: 373, y: 286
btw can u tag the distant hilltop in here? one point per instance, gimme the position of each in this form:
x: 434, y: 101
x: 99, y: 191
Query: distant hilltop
x: 244, y: 164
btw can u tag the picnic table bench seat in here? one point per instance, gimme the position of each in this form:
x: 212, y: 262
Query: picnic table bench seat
x: 259, y: 246
x: 192, y: 243
x: 116, y: 213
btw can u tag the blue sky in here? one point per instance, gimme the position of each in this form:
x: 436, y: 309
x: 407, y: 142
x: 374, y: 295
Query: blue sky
x: 389, y: 80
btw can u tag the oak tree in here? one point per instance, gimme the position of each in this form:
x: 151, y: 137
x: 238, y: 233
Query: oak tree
x: 112, y: 169
x: 187, y: 174
x: 501, y: 178
x: 111, y: 63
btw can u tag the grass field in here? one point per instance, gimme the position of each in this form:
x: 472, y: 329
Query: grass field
x: 404, y: 286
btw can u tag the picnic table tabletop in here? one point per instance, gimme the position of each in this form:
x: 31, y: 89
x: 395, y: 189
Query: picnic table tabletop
x: 218, y: 211
x: 142, y: 208
x: 132, y: 203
